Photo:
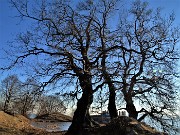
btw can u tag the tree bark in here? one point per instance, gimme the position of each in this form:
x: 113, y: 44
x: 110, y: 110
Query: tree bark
x: 130, y: 107
x: 112, y: 94
x: 112, y: 103
x: 81, y: 116
x: 6, y: 104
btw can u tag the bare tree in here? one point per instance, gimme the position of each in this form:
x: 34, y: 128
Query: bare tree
x: 27, y: 97
x: 50, y: 104
x: 147, y: 66
x: 143, y: 64
x: 10, y: 86
x: 65, y: 42
x: 106, y: 37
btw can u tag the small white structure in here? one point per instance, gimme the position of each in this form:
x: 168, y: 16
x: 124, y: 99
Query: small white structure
x: 123, y: 112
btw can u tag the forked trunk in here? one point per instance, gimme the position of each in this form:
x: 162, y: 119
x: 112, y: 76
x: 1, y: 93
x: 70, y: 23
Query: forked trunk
x: 81, y: 116
x: 112, y: 94
x: 130, y: 107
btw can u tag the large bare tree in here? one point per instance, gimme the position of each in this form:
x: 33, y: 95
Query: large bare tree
x: 65, y: 41
x: 147, y: 73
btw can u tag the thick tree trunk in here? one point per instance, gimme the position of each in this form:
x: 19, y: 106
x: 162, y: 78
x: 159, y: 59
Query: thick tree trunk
x: 112, y: 103
x: 130, y: 107
x: 81, y: 116
x: 112, y: 94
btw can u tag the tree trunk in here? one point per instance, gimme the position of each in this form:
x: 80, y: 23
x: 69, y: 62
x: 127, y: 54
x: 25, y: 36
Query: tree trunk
x: 81, y: 116
x: 112, y: 103
x: 6, y: 105
x: 130, y: 107
x: 24, y: 108
x: 112, y: 94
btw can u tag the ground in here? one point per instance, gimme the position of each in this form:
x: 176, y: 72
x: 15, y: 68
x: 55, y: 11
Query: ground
x: 19, y: 125
x: 123, y: 125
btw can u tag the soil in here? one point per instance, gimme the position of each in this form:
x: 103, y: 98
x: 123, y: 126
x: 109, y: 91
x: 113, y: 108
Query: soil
x: 19, y: 125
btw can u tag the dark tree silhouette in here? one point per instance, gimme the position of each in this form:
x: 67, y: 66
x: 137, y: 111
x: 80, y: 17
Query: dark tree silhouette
x: 147, y: 72
x: 65, y: 42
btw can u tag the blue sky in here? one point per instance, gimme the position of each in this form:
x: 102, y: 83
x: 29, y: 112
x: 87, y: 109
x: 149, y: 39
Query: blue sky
x: 11, y: 25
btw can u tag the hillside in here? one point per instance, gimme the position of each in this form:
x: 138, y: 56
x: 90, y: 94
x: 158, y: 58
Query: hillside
x: 123, y: 126
x: 15, y: 125
x: 55, y: 117
x: 19, y: 125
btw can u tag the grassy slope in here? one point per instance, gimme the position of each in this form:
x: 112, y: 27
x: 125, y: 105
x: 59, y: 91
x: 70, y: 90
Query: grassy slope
x: 16, y: 125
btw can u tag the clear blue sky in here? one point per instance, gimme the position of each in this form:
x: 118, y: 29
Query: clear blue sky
x: 10, y: 25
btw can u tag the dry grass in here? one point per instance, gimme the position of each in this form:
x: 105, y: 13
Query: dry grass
x: 18, y: 121
x: 16, y: 125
